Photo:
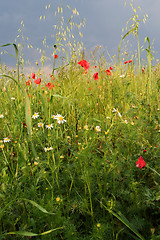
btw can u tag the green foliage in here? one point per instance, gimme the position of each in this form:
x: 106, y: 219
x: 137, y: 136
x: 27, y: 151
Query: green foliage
x: 69, y: 149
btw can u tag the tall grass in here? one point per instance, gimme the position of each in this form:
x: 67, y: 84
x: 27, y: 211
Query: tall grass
x: 74, y: 175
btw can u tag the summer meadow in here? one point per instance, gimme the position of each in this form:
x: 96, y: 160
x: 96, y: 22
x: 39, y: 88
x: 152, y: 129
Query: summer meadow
x: 80, y: 145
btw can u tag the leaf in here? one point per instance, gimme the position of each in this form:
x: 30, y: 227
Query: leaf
x: 30, y: 234
x: 125, y: 221
x: 37, y: 206
x: 32, y: 202
x: 58, y: 96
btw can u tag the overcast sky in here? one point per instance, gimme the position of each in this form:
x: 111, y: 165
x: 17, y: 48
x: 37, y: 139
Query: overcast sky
x: 104, y: 22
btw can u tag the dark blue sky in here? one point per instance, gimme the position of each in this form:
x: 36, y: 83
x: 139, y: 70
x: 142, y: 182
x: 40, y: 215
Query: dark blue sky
x: 104, y: 22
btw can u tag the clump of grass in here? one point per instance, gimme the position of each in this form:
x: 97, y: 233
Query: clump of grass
x: 69, y: 148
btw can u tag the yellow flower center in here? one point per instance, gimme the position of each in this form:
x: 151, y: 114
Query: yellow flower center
x: 61, y: 118
x: 2, y: 146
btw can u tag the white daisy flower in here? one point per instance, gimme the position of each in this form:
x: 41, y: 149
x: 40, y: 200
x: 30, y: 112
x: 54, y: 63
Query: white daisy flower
x: 40, y: 124
x: 60, y: 118
x: 53, y: 116
x: 12, y: 98
x: 6, y: 139
x: 35, y: 115
x: 1, y: 116
x: 126, y: 122
x: 49, y: 126
x: 98, y: 129
x: 48, y: 149
x: 122, y: 76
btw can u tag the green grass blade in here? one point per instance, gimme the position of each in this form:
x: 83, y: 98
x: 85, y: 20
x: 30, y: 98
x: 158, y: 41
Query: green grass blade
x: 130, y: 31
x: 4, y: 75
x: 28, y: 115
x: 37, y: 206
x: 30, y: 201
x: 30, y: 234
x: 125, y: 221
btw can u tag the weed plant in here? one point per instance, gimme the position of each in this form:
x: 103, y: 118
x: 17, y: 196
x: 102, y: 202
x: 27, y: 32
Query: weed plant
x: 71, y: 150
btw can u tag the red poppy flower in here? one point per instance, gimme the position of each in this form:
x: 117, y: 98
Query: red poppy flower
x: 95, y: 76
x: 144, y: 150
x: 110, y: 68
x: 89, y: 89
x: 140, y: 163
x: 108, y: 72
x: 55, y: 56
x: 33, y: 75
x: 84, y: 64
x: 38, y: 81
x: 29, y: 82
x: 128, y: 61
x: 50, y: 85
x: 24, y: 124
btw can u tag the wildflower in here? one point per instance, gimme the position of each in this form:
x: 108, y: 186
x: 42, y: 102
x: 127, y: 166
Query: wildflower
x: 2, y: 146
x: 126, y: 122
x: 84, y: 64
x: 98, y: 129
x: 128, y: 61
x: 38, y: 81
x: 6, y: 140
x: 35, y: 115
x: 58, y: 199
x: 86, y: 127
x: 55, y: 56
x: 61, y: 157
x: 122, y: 76
x: 60, y: 118
x: 49, y: 126
x: 46, y: 149
x: 140, y: 163
x: 53, y: 116
x: 12, y: 98
x: 29, y: 82
x: 35, y: 163
x: 110, y: 68
x: 98, y: 225
x: 108, y: 72
x: 144, y: 150
x: 95, y: 76
x: 89, y: 89
x: 50, y: 85
x: 40, y: 124
x: 24, y: 125
x: 33, y: 75
x: 1, y: 116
